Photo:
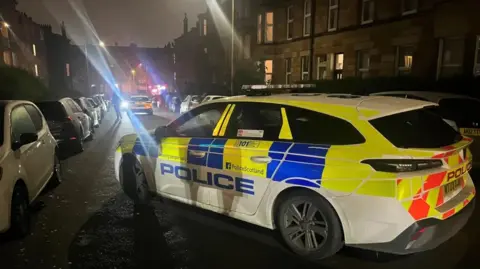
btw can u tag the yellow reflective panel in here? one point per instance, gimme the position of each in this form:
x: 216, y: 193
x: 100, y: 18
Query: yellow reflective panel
x: 220, y: 122
x: 404, y: 189
x: 383, y: 188
x: 227, y: 119
x: 245, y: 156
x: 127, y: 143
x: 347, y: 185
x: 174, y: 149
x: 285, y: 132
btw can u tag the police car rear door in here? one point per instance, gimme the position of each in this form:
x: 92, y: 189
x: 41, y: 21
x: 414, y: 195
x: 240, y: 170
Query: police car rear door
x: 183, y: 155
x: 249, y: 158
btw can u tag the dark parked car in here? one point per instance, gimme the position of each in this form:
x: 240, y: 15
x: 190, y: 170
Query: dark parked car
x: 90, y: 110
x: 101, y: 102
x: 68, y: 123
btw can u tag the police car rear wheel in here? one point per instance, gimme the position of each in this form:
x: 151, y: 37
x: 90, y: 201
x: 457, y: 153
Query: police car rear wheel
x: 133, y: 180
x: 309, y: 225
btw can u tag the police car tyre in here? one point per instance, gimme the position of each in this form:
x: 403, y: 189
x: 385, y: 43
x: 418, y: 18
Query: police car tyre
x: 133, y: 180
x: 309, y: 225
x: 20, y: 217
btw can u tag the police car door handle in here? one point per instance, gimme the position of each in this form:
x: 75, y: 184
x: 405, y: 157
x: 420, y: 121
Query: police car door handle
x: 199, y: 154
x: 261, y: 159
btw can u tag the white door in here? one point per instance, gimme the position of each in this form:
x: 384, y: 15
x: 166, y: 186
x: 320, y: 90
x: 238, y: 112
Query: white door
x: 183, y: 155
x: 31, y: 154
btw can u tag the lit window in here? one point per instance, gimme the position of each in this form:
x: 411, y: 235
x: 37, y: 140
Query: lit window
x: 322, y: 67
x: 409, y: 7
x: 268, y: 27
x: 7, y: 58
x: 305, y: 67
x: 205, y: 50
x: 174, y: 75
x: 205, y: 27
x: 476, y: 70
x: 4, y: 31
x: 288, y: 70
x: 338, y: 66
x: 36, y: 70
x: 174, y: 59
x: 404, y: 60
x: 363, y: 63
x: 307, y: 17
x: 451, y: 52
x: 259, y: 29
x: 332, y: 15
x: 247, y: 47
x: 268, y: 71
x: 67, y: 69
x: 368, y: 11
x: 34, y: 50
x: 290, y: 22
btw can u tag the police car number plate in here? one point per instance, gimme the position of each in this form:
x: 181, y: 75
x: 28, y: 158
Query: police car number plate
x: 451, y: 189
x: 470, y: 131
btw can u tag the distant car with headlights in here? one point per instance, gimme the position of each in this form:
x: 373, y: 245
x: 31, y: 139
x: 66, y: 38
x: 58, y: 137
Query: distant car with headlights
x: 325, y: 170
x: 459, y: 111
x: 139, y: 104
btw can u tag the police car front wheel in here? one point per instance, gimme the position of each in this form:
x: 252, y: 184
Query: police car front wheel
x: 309, y: 225
x: 133, y: 180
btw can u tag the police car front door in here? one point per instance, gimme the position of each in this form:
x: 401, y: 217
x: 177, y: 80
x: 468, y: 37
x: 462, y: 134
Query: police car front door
x: 183, y: 156
x: 248, y: 157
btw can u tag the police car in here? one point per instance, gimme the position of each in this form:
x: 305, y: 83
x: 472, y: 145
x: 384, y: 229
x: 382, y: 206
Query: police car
x: 325, y: 170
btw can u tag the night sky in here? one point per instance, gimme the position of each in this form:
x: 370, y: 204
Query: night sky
x: 150, y: 23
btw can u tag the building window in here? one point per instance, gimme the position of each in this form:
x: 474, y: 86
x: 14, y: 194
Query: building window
x: 67, y: 69
x: 259, y: 29
x: 175, y: 76
x: 7, y: 58
x: 268, y: 27
x: 268, y: 71
x: 409, y: 7
x: 14, y: 59
x: 476, y: 70
x: 35, y: 67
x: 332, y: 15
x: 338, y: 66
x: 247, y: 47
x: 322, y: 67
x: 288, y: 70
x: 451, y: 56
x: 174, y: 58
x: 404, y: 60
x: 305, y: 67
x: 205, y: 27
x: 307, y: 17
x: 289, y: 22
x: 363, y: 63
x: 34, y: 50
x: 368, y: 11
x: 4, y: 31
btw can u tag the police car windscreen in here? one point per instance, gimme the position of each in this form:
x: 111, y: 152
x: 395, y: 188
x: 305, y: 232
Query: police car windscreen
x: 53, y: 111
x: 419, y: 128
x: 139, y: 99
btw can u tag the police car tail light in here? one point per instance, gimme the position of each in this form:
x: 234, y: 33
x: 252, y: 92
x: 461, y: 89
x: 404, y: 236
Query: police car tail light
x: 402, y: 165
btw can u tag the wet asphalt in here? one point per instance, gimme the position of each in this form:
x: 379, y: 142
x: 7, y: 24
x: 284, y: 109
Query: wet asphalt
x: 87, y: 222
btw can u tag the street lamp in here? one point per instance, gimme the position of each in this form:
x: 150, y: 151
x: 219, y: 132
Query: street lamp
x: 101, y: 44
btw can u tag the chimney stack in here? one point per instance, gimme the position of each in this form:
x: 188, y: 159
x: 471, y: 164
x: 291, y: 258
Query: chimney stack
x: 185, y: 24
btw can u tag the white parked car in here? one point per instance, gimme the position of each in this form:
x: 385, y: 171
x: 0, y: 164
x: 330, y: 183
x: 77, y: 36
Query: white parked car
x: 209, y: 98
x: 459, y: 111
x: 28, y: 160
x: 189, y: 102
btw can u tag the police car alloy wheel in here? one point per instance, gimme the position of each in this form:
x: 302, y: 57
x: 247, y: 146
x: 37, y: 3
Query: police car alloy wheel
x: 309, y: 225
x: 133, y: 180
x: 20, y: 217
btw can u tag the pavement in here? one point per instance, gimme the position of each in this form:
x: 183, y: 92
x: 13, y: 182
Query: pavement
x: 87, y: 222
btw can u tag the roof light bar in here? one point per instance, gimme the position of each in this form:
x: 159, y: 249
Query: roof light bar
x: 278, y: 86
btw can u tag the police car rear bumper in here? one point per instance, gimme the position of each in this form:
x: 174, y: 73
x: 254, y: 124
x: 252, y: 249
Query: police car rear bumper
x: 424, y: 235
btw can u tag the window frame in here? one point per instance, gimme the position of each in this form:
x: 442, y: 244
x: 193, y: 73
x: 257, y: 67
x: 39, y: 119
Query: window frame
x: 409, y: 12
x: 35, y: 68
x: 184, y: 118
x: 268, y: 26
x: 362, y: 70
x: 267, y: 72
x: 399, y: 70
x: 204, y: 27
x: 288, y: 70
x: 476, y: 63
x: 67, y: 69
x: 362, y: 18
x: 304, y: 59
x: 34, y: 50
x: 441, y: 55
x: 338, y: 72
x: 325, y: 56
x: 259, y: 29
x: 307, y: 16
x: 333, y: 8
x: 290, y: 22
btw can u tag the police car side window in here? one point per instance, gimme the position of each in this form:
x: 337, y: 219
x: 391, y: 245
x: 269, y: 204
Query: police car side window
x: 308, y: 126
x: 199, y: 122
x: 255, y: 121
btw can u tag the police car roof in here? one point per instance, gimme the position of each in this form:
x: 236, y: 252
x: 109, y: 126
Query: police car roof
x: 430, y: 96
x: 383, y: 105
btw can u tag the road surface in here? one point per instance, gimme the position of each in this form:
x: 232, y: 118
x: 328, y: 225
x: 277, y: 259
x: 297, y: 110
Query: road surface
x: 87, y: 222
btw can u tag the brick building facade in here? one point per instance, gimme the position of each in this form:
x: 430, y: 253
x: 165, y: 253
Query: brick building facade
x: 333, y: 39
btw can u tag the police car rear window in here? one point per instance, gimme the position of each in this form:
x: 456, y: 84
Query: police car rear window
x: 419, y: 128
